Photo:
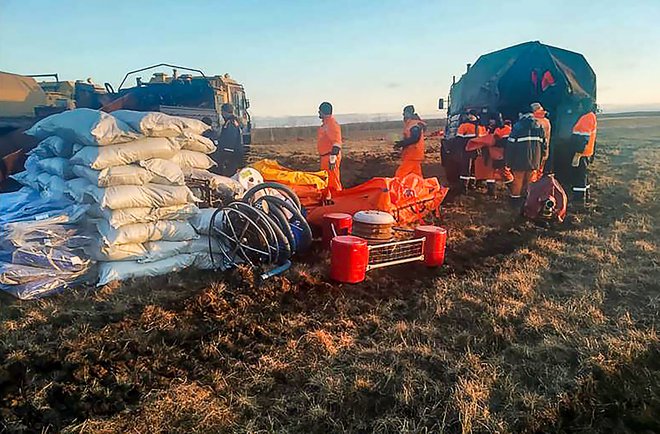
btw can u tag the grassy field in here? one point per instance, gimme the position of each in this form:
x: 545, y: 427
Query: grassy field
x: 523, y: 330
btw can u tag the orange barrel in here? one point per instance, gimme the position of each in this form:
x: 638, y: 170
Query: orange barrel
x: 349, y: 257
x: 342, y: 223
x: 434, y: 246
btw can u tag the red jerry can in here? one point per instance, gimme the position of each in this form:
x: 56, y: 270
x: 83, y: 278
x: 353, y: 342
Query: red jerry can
x: 341, y: 222
x: 434, y: 246
x: 349, y: 257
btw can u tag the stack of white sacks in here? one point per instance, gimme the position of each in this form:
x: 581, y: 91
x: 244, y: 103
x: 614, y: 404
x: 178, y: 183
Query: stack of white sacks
x: 131, y: 167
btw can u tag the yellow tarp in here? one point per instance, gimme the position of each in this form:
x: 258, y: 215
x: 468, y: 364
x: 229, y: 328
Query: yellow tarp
x: 271, y: 170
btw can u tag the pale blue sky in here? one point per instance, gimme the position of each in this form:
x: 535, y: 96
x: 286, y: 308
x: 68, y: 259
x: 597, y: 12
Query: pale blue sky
x: 364, y: 56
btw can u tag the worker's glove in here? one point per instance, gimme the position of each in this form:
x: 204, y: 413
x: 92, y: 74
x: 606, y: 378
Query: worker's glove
x: 332, y: 162
x: 336, y: 149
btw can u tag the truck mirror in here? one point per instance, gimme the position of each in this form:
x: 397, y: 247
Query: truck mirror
x: 441, y: 104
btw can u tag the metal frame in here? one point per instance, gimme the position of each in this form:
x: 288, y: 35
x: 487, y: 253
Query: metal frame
x: 415, y: 250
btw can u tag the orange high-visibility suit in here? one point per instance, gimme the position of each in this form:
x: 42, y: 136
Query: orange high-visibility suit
x: 539, y: 115
x: 468, y: 130
x: 412, y: 155
x: 329, y: 135
x: 584, y: 134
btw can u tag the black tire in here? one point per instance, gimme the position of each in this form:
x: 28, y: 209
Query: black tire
x: 286, y: 191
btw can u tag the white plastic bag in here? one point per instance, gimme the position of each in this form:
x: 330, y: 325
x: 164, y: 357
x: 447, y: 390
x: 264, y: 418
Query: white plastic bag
x: 193, y: 159
x: 166, y: 230
x: 195, y: 142
x: 164, y: 171
x: 120, y: 217
x: 141, y: 196
x: 156, y: 124
x: 118, y: 175
x: 86, y: 126
x: 122, y: 270
x: 126, y: 153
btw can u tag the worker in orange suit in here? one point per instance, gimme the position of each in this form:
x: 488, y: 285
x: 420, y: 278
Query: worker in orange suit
x: 412, y: 145
x: 583, y: 142
x: 469, y: 129
x: 541, y: 117
x: 329, y: 145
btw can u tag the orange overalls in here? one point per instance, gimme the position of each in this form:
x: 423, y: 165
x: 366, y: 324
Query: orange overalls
x: 412, y: 155
x: 539, y: 115
x: 329, y: 135
x: 468, y: 130
x: 585, y: 127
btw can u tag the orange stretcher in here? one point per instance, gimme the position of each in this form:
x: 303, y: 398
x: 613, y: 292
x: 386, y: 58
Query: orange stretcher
x: 408, y: 199
x: 310, y: 187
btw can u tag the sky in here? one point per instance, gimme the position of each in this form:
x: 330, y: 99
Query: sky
x: 367, y: 56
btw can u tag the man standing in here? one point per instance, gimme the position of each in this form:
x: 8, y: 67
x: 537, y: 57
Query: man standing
x: 541, y: 117
x: 412, y: 145
x: 523, y: 154
x: 583, y: 141
x: 230, y: 154
x: 329, y: 145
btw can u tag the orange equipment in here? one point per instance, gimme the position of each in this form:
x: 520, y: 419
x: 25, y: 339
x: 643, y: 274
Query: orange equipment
x: 408, y: 199
x: 329, y: 135
x: 310, y: 187
x: 412, y: 155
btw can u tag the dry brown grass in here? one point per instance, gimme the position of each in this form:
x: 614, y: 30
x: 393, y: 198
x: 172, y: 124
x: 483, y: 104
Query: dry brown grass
x: 523, y: 330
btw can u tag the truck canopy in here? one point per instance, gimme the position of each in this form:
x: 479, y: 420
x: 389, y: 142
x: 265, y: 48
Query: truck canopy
x: 19, y: 95
x: 508, y: 80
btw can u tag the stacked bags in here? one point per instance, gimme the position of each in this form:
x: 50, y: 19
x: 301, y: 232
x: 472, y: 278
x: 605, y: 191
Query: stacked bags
x: 40, y: 245
x: 131, y: 168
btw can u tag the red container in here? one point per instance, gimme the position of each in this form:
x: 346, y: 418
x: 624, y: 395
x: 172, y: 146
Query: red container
x: 349, y: 257
x: 434, y: 246
x: 342, y: 223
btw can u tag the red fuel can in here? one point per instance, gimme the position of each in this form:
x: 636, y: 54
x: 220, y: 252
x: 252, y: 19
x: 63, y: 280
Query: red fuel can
x: 434, y: 246
x: 341, y: 222
x: 349, y: 257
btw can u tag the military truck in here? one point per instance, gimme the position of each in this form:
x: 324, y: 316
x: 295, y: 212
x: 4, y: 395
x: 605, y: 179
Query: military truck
x: 24, y: 101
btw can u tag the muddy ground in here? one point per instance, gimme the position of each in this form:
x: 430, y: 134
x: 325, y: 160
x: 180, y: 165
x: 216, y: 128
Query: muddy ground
x: 523, y: 330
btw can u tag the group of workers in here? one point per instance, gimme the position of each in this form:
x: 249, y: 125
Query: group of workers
x: 515, y: 153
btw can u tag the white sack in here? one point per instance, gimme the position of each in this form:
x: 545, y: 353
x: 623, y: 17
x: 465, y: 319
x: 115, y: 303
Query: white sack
x: 56, y: 166
x: 166, y: 230
x: 195, y: 142
x: 156, y: 124
x: 53, y: 146
x: 27, y: 178
x: 164, y: 171
x: 77, y: 188
x: 120, y: 252
x: 215, y: 181
x: 202, y: 220
x: 159, y: 250
x: 118, y: 155
x: 192, y: 159
x: 86, y: 126
x: 141, y: 196
x: 117, y: 175
x: 120, y: 217
x: 122, y: 270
